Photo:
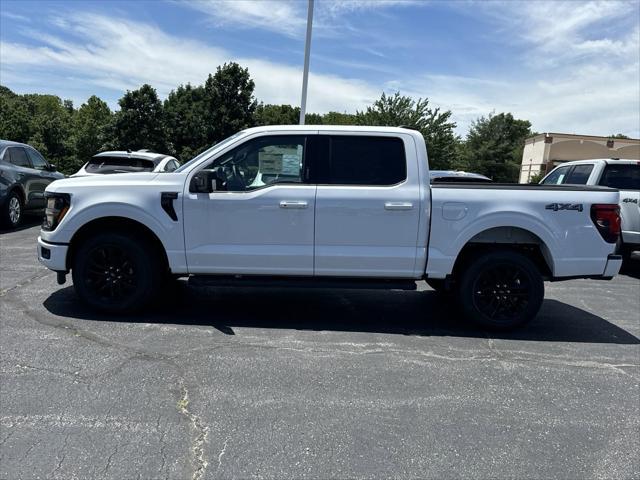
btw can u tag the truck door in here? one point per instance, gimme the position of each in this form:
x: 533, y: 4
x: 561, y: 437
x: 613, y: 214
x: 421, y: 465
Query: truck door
x: 260, y: 218
x: 367, y: 205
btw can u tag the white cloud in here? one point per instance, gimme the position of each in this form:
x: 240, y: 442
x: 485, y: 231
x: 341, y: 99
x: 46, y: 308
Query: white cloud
x: 280, y: 16
x: 289, y: 17
x: 121, y: 54
x: 579, y: 70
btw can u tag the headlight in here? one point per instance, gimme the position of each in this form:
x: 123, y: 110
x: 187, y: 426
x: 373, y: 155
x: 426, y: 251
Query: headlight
x: 57, y: 207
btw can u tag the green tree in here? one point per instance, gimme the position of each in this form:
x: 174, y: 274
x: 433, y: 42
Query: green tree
x: 139, y: 123
x: 185, y: 121
x: 494, y: 146
x: 15, y: 122
x: 435, y: 126
x: 337, y: 118
x: 51, y: 127
x: 276, y: 115
x: 90, y: 123
x: 229, y: 101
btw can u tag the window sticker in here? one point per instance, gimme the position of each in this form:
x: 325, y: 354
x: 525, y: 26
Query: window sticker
x: 270, y: 163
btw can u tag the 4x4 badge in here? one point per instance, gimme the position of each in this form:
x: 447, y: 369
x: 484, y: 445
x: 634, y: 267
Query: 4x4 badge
x: 564, y: 206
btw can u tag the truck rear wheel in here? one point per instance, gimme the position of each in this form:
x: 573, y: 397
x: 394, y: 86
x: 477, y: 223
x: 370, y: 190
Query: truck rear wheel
x: 115, y: 273
x: 501, y: 290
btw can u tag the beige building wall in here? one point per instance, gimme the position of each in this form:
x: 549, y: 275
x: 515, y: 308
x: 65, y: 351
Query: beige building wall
x: 543, y: 152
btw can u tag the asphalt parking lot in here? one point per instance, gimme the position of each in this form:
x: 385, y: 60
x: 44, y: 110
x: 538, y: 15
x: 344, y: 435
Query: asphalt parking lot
x: 264, y: 383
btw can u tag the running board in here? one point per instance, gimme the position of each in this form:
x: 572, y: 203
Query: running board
x: 300, y: 282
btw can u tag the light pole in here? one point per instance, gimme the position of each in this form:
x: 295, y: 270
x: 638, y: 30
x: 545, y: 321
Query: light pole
x: 305, y: 74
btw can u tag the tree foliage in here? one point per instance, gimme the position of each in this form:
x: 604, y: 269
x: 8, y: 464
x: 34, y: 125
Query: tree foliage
x: 139, y: 123
x: 185, y: 121
x: 89, y: 133
x: 229, y: 101
x: 436, y: 126
x: 276, y: 115
x: 494, y: 146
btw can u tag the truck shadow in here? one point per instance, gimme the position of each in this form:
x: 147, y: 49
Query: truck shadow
x: 28, y: 221
x: 403, y: 313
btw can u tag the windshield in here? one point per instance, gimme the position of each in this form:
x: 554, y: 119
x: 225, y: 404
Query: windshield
x: 104, y: 164
x: 210, y: 151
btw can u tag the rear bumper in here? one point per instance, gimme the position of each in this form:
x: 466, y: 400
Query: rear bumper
x: 53, y: 256
x: 611, y: 269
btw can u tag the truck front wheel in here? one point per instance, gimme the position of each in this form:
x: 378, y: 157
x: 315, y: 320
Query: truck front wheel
x: 501, y: 290
x: 114, y: 272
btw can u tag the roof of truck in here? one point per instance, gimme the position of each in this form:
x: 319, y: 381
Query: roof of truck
x: 332, y: 128
x: 605, y: 160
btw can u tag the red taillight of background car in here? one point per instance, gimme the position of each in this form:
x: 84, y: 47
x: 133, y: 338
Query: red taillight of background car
x: 606, y: 218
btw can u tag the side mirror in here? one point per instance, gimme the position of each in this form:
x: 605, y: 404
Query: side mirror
x: 52, y: 167
x: 205, y: 181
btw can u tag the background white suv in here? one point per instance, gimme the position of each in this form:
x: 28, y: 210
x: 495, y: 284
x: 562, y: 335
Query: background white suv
x: 127, y: 162
x: 621, y: 174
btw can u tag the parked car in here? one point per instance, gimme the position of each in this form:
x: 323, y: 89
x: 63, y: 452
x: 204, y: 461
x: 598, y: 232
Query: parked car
x: 609, y: 172
x: 456, y: 176
x: 24, y: 174
x: 127, y: 162
x: 337, y: 206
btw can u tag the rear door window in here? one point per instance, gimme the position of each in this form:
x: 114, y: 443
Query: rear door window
x: 106, y: 164
x: 579, y: 175
x: 622, y: 177
x: 365, y: 160
x: 19, y: 157
x: 38, y: 162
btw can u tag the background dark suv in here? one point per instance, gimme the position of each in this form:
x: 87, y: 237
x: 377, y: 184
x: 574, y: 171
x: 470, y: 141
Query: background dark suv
x: 24, y: 174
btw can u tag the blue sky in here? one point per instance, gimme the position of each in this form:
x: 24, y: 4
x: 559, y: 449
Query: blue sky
x: 565, y: 66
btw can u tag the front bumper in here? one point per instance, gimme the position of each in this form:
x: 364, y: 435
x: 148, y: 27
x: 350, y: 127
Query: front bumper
x: 53, y: 256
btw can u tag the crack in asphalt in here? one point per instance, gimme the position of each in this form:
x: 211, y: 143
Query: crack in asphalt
x: 201, y: 433
x: 222, y: 452
x: 26, y: 281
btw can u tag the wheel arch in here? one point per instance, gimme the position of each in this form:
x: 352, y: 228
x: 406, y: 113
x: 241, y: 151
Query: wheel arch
x: 16, y: 187
x: 511, y: 238
x: 124, y: 225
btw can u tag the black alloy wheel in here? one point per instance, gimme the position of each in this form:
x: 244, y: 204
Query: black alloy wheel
x: 116, y: 272
x: 111, y: 274
x: 501, y: 290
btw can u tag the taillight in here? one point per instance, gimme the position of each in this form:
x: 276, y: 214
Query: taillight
x: 606, y: 218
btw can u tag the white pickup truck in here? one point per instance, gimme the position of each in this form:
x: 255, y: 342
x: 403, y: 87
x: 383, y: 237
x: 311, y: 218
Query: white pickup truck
x: 331, y: 207
x: 609, y: 172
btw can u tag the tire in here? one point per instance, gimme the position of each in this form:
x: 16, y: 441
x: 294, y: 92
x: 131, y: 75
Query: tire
x: 113, y: 272
x: 626, y: 251
x: 12, y: 210
x: 501, y: 291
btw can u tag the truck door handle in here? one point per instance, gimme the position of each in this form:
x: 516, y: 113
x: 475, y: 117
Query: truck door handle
x: 293, y: 204
x: 398, y: 206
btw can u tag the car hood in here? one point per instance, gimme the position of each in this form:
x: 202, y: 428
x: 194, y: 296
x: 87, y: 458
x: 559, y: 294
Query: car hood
x: 93, y: 181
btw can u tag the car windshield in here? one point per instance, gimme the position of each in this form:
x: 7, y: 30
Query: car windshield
x: 105, y: 164
x: 218, y: 146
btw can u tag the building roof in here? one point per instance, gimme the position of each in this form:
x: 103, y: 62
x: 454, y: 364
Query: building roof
x: 567, y: 146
